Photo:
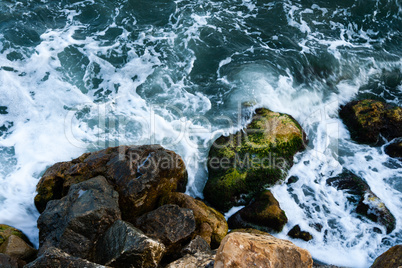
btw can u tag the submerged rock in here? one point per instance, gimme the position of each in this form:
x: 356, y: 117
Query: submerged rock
x: 170, y: 224
x: 75, y: 222
x: 392, y: 258
x: 54, y: 257
x: 367, y: 203
x: 123, y: 245
x: 240, y: 249
x: 242, y: 164
x: 296, y: 232
x: 140, y: 174
x: 263, y: 214
x: 211, y: 224
x: 394, y: 149
x: 367, y: 119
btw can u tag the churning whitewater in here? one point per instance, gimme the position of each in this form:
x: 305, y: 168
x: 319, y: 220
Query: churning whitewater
x: 78, y: 76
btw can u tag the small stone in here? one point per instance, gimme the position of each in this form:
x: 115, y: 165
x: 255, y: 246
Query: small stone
x: 295, y: 232
x: 197, y: 245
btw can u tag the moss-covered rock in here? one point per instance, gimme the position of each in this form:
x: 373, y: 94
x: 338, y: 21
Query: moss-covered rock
x: 263, y: 214
x: 242, y: 164
x: 366, y: 202
x: 140, y: 174
x: 211, y: 224
x: 296, y: 232
x: 367, y: 119
x: 6, y: 231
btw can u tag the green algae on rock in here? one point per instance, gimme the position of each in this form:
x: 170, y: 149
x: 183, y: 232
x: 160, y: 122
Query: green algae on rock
x: 243, y: 164
x: 367, y: 119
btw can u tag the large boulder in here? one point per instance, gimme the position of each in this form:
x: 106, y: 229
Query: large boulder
x: 367, y: 119
x: 123, y: 245
x: 392, y: 258
x: 367, y: 203
x: 75, y: 222
x: 169, y: 224
x: 263, y: 214
x: 242, y: 164
x: 141, y: 175
x: 240, y: 249
x: 211, y: 224
x: 54, y: 257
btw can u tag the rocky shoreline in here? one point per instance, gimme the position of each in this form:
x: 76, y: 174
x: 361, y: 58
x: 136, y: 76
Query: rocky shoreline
x: 126, y: 207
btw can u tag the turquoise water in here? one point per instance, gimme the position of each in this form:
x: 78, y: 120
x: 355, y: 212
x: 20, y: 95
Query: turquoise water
x: 77, y: 76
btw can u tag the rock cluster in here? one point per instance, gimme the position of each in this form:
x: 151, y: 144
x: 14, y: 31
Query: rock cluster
x: 366, y: 202
x: 125, y: 207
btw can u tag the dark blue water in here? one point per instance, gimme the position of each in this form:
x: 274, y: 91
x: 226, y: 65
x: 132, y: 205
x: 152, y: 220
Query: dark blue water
x: 77, y: 76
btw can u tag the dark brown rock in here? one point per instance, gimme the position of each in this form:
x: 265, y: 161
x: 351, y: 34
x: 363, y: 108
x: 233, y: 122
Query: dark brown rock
x: 74, y: 222
x: 55, y: 258
x: 264, y: 214
x: 141, y: 175
x: 123, y: 245
x: 296, y: 232
x: 394, y: 149
x: 367, y: 119
x: 197, y: 245
x: 170, y: 224
x: 367, y: 203
x: 7, y: 261
x: 211, y: 224
x: 392, y: 258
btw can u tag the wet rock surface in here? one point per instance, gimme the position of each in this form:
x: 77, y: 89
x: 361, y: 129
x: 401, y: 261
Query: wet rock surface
x: 140, y: 174
x: 54, y: 257
x: 296, y: 232
x: 367, y: 203
x: 74, y: 222
x: 123, y: 245
x: 211, y: 225
x: 264, y: 214
x: 241, y: 164
x: 368, y: 119
x: 169, y: 224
